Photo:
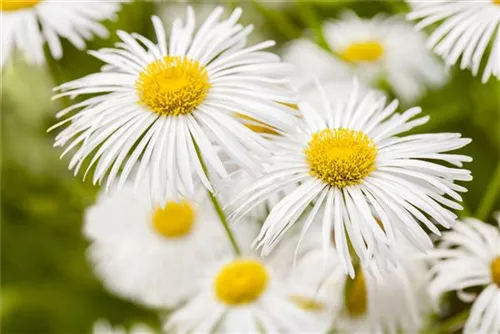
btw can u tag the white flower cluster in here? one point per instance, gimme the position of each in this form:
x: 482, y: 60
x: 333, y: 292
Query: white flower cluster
x: 208, y: 152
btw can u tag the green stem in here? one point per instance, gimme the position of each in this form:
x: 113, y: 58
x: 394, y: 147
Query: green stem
x: 450, y: 325
x: 310, y: 19
x: 491, y: 195
x: 217, y: 206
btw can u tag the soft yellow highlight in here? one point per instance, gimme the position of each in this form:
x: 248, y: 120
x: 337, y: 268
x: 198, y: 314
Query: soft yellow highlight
x: 308, y: 304
x: 341, y: 157
x: 359, y: 52
x: 173, y: 86
x: 13, y: 5
x: 174, y: 220
x: 255, y: 125
x: 495, y: 271
x: 496, y: 2
x: 241, y: 281
x: 355, y: 295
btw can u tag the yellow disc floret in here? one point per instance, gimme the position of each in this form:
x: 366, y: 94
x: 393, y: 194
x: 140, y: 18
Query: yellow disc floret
x: 12, y: 5
x: 367, y: 51
x: 308, y: 304
x: 495, y: 271
x: 341, y: 157
x: 240, y: 282
x: 174, y: 220
x: 173, y: 86
x: 355, y: 297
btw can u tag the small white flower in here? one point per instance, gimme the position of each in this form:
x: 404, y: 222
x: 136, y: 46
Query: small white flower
x: 354, y: 166
x: 393, y: 303
x: 469, y: 257
x: 242, y: 295
x: 164, y: 102
x: 28, y: 24
x: 154, y: 255
x: 104, y: 327
x: 311, y: 61
x: 374, y: 49
x: 467, y: 29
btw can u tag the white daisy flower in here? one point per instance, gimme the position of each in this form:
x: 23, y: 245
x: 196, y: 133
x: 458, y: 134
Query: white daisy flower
x: 104, y: 327
x: 353, y: 162
x: 304, y: 275
x: 168, y: 103
x: 469, y: 256
x: 242, y: 295
x: 466, y: 30
x: 393, y: 303
x: 311, y: 62
x: 155, y: 255
x: 28, y: 24
x: 373, y: 49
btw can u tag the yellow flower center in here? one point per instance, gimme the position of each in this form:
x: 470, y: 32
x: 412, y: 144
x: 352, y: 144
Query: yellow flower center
x: 368, y: 51
x: 496, y: 2
x: 240, y: 282
x: 308, y: 304
x: 355, y: 297
x: 12, y: 5
x: 174, y: 220
x: 341, y: 157
x: 495, y: 271
x: 173, y: 86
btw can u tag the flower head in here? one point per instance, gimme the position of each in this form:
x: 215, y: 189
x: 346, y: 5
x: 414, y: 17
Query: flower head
x: 469, y: 256
x: 465, y: 31
x: 368, y: 303
x: 243, y: 295
x: 170, y: 108
x: 377, y: 49
x: 356, y: 169
x: 136, y: 247
x: 27, y: 25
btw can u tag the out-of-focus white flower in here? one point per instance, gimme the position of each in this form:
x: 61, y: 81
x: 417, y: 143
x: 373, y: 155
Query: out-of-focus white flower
x: 393, y: 303
x: 354, y: 167
x: 466, y: 30
x: 28, y: 24
x: 155, y: 255
x: 469, y: 256
x: 312, y: 62
x: 168, y: 103
x: 104, y: 327
x: 374, y: 49
x: 242, y: 295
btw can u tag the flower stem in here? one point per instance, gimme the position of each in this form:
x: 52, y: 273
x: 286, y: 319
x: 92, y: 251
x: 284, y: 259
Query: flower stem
x: 449, y: 325
x: 491, y: 195
x: 217, y: 206
x: 224, y: 222
x: 310, y: 19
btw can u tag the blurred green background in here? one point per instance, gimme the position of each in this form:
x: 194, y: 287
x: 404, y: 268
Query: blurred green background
x: 46, y: 284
